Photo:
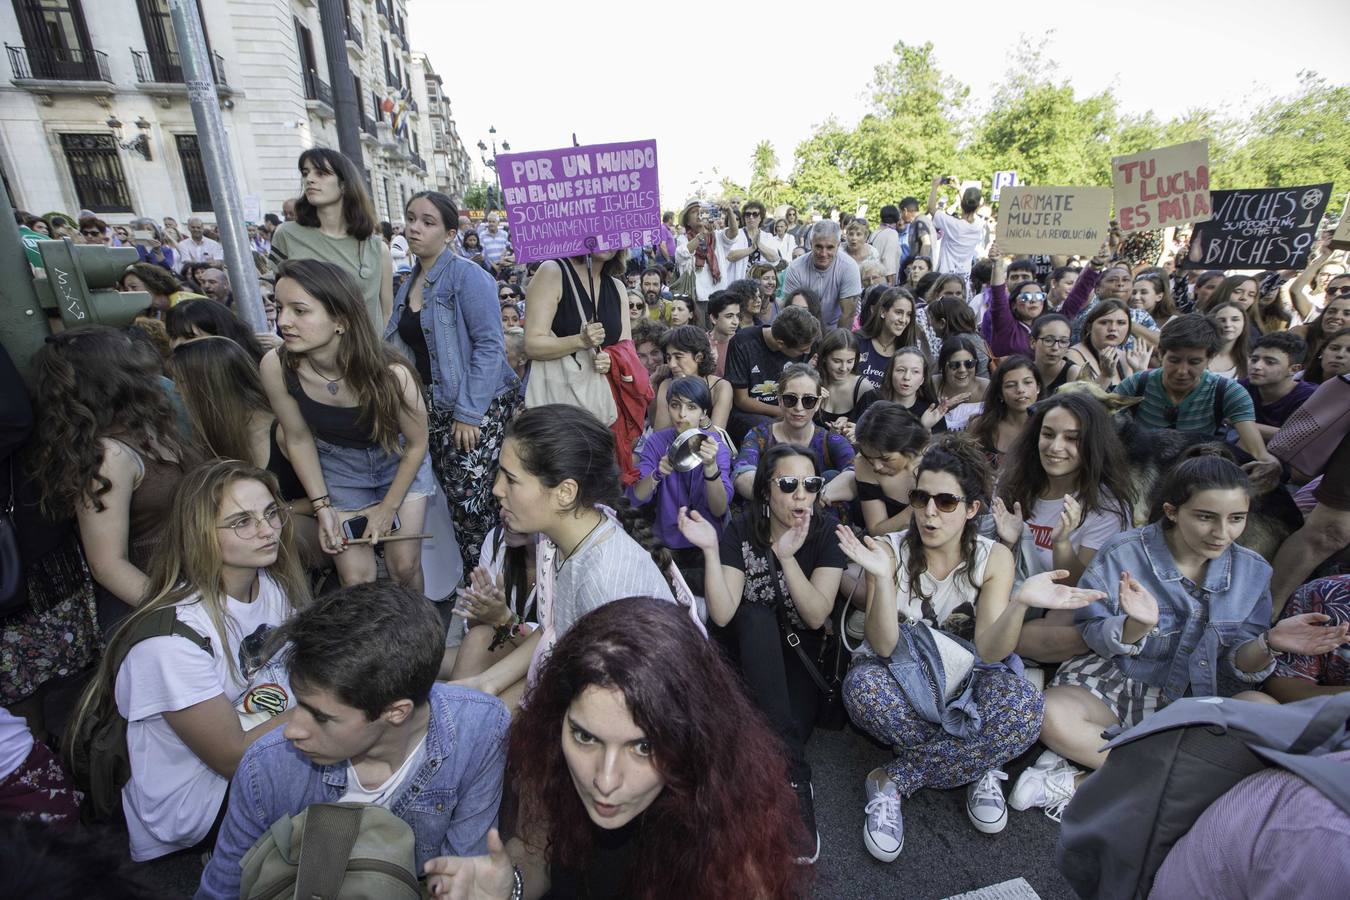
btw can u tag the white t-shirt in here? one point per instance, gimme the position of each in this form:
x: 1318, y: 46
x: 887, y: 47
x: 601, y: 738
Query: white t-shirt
x: 189, y: 251
x: 173, y: 797
x: 731, y: 271
x: 960, y: 242
x: 384, y: 794
x: 1092, y: 532
x: 16, y: 742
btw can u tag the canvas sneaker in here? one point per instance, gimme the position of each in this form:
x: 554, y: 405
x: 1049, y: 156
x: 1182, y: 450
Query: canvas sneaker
x: 883, y: 829
x: 1049, y: 784
x: 985, y: 805
x: 806, y: 799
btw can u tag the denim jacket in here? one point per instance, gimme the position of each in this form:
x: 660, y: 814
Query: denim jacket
x: 450, y: 801
x: 1200, y: 626
x: 462, y: 321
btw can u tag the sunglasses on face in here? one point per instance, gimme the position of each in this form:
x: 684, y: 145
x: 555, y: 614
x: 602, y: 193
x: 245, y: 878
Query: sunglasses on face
x: 944, y: 502
x: 956, y: 364
x: 750, y: 215
x: 1342, y: 291
x: 94, y: 233
x: 790, y: 401
x: 1030, y: 298
x: 788, y: 484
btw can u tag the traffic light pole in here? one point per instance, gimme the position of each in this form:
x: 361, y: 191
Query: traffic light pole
x: 225, y: 193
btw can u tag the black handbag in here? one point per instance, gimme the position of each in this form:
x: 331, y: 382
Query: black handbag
x: 13, y: 589
x: 828, y: 668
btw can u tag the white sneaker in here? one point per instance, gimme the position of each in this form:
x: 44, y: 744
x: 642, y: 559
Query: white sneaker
x: 985, y: 806
x: 1049, y: 785
x: 883, y: 830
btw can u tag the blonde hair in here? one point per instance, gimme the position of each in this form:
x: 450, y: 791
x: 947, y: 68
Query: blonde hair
x: 187, y: 565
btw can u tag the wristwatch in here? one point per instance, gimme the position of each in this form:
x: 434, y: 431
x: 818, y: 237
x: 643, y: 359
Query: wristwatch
x: 518, y: 889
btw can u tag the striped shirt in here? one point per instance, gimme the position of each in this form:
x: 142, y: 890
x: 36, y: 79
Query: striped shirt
x: 494, y: 245
x: 1195, y: 412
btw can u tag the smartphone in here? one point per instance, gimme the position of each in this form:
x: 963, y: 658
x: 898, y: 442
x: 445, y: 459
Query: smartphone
x: 355, y: 527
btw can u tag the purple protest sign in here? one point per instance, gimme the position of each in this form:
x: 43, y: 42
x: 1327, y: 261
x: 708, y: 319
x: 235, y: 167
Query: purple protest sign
x: 578, y: 200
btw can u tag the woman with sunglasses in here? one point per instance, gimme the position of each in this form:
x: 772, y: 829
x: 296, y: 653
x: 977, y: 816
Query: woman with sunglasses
x: 799, y: 392
x: 949, y: 586
x: 1334, y: 316
x: 775, y: 572
x: 952, y: 317
x: 1012, y: 317
x: 958, y: 386
x: 1015, y: 386
x: 228, y: 571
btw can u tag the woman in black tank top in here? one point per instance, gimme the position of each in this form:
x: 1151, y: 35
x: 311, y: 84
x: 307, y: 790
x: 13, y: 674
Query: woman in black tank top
x: 555, y: 328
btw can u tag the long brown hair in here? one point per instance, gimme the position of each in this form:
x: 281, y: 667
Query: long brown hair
x: 188, y: 563
x: 93, y: 384
x: 358, y: 213
x: 364, y: 359
x: 221, y: 391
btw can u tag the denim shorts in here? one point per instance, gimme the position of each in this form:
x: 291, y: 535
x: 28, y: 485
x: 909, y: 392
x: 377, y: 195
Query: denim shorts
x: 359, y: 478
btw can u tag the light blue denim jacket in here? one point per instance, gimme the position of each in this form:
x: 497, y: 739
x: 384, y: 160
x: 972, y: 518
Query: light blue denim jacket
x: 462, y: 321
x: 1200, y: 627
x: 450, y: 801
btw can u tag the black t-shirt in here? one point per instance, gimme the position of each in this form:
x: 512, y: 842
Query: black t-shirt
x: 613, y: 852
x: 752, y: 365
x: 764, y: 582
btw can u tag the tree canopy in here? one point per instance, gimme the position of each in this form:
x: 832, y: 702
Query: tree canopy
x: 920, y: 124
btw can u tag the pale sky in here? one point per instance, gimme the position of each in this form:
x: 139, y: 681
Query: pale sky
x: 540, y: 70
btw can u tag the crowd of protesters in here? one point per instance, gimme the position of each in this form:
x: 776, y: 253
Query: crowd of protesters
x: 669, y: 485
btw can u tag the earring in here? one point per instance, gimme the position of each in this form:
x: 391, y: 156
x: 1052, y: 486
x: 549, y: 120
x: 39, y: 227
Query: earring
x: 337, y: 331
x: 766, y: 510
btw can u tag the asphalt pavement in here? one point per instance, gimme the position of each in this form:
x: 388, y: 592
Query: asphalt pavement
x: 943, y: 855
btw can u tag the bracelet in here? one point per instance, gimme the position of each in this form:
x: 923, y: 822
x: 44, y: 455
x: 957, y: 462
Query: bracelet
x: 517, y: 889
x: 715, y: 477
x: 319, y: 499
x: 1265, y: 645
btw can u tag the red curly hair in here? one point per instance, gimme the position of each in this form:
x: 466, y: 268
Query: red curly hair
x: 726, y: 821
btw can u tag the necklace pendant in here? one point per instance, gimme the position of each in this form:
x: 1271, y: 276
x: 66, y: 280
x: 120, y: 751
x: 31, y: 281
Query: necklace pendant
x: 333, y: 388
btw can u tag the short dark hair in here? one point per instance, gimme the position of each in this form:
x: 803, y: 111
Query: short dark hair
x: 970, y: 199
x: 890, y: 215
x: 1188, y: 331
x: 1293, y: 346
x: 1024, y: 264
x: 718, y: 301
x: 811, y: 296
x: 646, y: 329
x: 795, y: 327
x: 743, y: 289
x: 911, y: 203
x: 654, y: 270
x: 692, y: 340
x: 370, y: 645
x: 1061, y: 271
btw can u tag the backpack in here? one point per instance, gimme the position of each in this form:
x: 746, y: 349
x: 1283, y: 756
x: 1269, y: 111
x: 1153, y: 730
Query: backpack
x: 1166, y: 771
x: 333, y: 851
x: 96, y: 748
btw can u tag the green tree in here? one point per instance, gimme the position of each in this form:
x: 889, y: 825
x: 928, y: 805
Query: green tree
x: 765, y: 185
x: 1300, y: 139
x: 476, y: 194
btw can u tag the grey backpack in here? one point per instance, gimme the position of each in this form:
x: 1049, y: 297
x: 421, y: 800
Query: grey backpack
x: 333, y: 851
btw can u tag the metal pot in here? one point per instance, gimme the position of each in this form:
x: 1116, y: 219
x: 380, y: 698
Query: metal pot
x: 683, y: 454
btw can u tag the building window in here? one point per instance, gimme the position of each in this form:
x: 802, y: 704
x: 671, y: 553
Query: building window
x: 96, y: 169
x: 57, y: 41
x: 194, y: 173
x: 161, y: 42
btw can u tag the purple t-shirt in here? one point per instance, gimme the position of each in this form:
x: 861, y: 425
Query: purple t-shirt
x: 1276, y: 413
x: 679, y: 488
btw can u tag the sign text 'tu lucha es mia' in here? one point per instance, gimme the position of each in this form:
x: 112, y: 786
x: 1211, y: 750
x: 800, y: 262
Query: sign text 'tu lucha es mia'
x: 1162, y: 187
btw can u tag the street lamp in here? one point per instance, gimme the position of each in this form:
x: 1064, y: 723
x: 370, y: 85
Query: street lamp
x: 491, y: 162
x: 139, y: 144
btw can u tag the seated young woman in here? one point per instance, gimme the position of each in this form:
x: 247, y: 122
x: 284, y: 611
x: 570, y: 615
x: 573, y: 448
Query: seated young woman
x: 689, y: 354
x: 639, y: 761
x: 908, y: 383
x: 799, y: 392
x: 495, y: 609
x: 558, y: 477
x: 1101, y: 355
x: 705, y: 488
x: 890, y: 324
x: 227, y: 569
x: 1050, y: 339
x: 1013, y: 387
x: 890, y: 441
x: 1064, y: 491
x: 775, y: 570
x: 956, y: 381
x: 931, y: 591
x: 1332, y: 361
x: 1230, y: 321
x: 1185, y: 613
x: 845, y: 391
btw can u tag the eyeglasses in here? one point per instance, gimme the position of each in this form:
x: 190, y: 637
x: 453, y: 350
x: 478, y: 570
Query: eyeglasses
x: 1342, y: 291
x: 944, y: 502
x: 790, y: 401
x: 94, y: 232
x: 961, y: 364
x: 788, y: 484
x: 1030, y: 298
x: 1055, y: 341
x: 249, y: 527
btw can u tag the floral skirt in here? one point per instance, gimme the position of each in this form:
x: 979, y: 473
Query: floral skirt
x: 57, y: 634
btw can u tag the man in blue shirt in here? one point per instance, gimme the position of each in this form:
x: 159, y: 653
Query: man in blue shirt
x: 371, y: 726
x: 493, y: 238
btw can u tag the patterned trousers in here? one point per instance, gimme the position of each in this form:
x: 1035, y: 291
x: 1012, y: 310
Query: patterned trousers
x: 928, y: 756
x: 466, y: 476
